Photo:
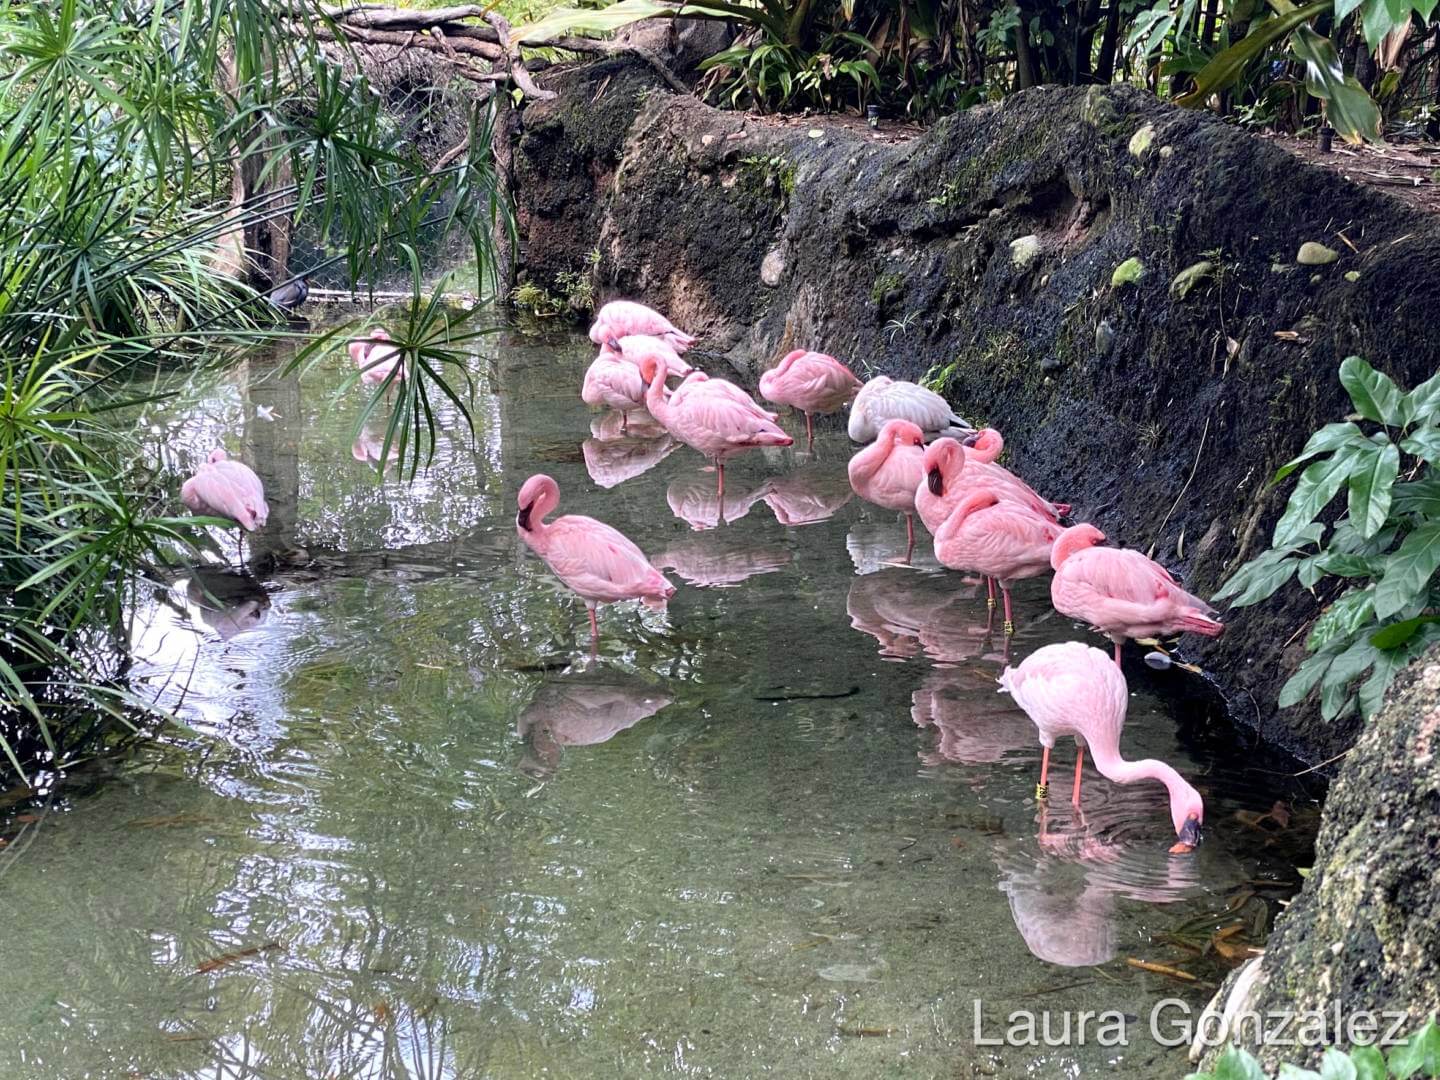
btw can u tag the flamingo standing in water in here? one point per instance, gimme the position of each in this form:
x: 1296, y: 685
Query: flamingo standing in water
x: 359, y: 348
x: 713, y: 416
x: 1122, y: 593
x: 227, y: 489
x: 610, y: 380
x: 1002, y: 541
x: 811, y: 382
x: 884, y: 398
x: 377, y: 358
x: 620, y: 318
x: 950, y: 473
x: 888, y: 471
x: 1070, y: 688
x: 598, y: 563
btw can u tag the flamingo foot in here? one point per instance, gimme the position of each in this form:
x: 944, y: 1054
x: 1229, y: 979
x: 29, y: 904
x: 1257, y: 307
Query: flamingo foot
x: 1079, y: 772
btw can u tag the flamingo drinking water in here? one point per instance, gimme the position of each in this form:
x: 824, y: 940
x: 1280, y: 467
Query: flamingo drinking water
x: 811, y: 382
x: 227, y: 489
x: 888, y: 471
x: 1070, y: 688
x: 598, y: 563
x: 1122, y: 593
x: 713, y: 416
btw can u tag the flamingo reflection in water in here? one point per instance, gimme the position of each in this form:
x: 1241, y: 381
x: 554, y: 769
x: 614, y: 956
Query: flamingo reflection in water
x: 226, y: 602
x: 369, y: 446
x: 693, y: 500
x: 974, y: 724
x: 612, y: 462
x: 808, y: 495
x: 715, y: 559
x: 585, y: 709
x: 909, y: 614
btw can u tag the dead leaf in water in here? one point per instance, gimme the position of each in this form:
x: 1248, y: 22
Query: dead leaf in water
x: 1161, y: 969
x: 215, y: 963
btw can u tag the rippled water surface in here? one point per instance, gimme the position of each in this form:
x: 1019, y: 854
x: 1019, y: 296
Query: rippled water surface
x: 787, y: 828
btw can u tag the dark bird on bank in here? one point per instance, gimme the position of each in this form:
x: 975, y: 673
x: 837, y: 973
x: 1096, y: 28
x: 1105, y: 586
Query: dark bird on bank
x: 292, y: 294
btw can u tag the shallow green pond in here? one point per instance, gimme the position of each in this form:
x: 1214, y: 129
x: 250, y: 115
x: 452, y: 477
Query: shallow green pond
x: 786, y: 828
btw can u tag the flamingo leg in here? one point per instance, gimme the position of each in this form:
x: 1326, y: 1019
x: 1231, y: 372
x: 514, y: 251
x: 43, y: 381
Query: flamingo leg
x: 1042, y: 789
x: 720, y: 484
x: 809, y: 432
x: 990, y: 593
x: 909, y: 537
x: 624, y: 422
x: 1079, y: 766
x: 1009, y: 622
x: 1117, y: 655
x: 240, y: 542
x: 594, y: 632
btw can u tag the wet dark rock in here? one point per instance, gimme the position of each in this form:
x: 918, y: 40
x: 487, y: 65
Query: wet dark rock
x: 1364, y: 933
x: 919, y: 234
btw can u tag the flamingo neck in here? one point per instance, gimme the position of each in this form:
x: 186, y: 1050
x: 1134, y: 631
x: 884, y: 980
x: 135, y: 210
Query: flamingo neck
x: 1068, y: 544
x: 872, y: 459
x: 1116, y: 769
x: 988, y: 446
x: 968, y: 505
x: 655, y: 395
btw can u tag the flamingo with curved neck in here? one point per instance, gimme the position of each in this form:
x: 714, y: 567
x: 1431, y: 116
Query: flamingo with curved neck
x: 622, y: 318
x: 887, y: 472
x: 598, y: 563
x: 1122, y: 593
x: 1070, y: 688
x: 714, y: 416
x: 812, y: 382
x: 985, y: 535
x: 979, y: 454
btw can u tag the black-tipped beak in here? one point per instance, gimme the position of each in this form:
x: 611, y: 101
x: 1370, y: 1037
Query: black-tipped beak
x: 522, y: 519
x: 1189, y: 838
x: 971, y: 440
x: 934, y: 482
x: 613, y: 344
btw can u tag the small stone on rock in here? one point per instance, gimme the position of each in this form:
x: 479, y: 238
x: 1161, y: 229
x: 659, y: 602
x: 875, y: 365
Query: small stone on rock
x: 1313, y: 254
x: 1141, y: 140
x: 772, y: 267
x: 1191, y: 276
x: 1104, y: 337
x: 1023, y: 250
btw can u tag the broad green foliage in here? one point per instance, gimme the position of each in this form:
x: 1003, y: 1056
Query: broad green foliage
x: 1376, y: 565
x: 1418, y: 1058
x: 119, y: 129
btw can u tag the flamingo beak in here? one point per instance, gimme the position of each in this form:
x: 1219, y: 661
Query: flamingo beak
x: 971, y: 440
x: 1189, y: 838
x: 522, y: 519
x: 613, y: 344
x: 934, y: 481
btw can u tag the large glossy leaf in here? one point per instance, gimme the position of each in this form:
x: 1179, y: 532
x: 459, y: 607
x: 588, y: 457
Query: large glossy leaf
x: 1424, y: 443
x: 1408, y: 571
x: 591, y: 21
x: 1369, y: 1063
x: 1306, y: 676
x: 1419, y: 1056
x: 1398, y: 633
x: 1335, y: 694
x: 1318, y: 484
x: 1327, y: 438
x: 1423, y: 403
x: 1371, y: 482
x: 1350, y: 110
x: 1229, y: 65
x: 1258, y: 579
x: 1342, y: 618
x: 1374, y: 393
x: 1237, y: 1064
x: 1418, y: 496
x: 1336, y: 1065
x: 1379, y: 17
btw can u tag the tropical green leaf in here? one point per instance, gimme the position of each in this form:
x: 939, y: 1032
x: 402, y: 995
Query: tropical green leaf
x: 1329, y: 437
x: 1258, y: 579
x: 1419, y: 1055
x: 1336, y: 697
x: 1424, y: 443
x: 1342, y: 618
x: 590, y: 22
x: 1228, y: 66
x: 1399, y: 633
x: 1418, y: 496
x: 1371, y: 481
x: 1374, y: 393
x: 1348, y: 107
x: 1306, y: 677
x: 1237, y: 1064
x: 1369, y: 1063
x: 1318, y: 484
x: 1335, y: 1065
x: 1408, y: 571
x: 1294, y: 1072
x: 1422, y: 404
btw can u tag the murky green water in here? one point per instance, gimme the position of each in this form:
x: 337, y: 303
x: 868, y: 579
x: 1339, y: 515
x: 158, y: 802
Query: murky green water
x: 786, y: 829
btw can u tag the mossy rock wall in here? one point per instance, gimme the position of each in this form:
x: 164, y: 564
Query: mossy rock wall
x: 1160, y: 418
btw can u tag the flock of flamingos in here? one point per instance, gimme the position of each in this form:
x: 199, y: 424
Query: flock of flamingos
x: 921, y: 459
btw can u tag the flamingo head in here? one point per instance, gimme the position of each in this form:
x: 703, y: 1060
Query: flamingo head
x: 1076, y: 538
x: 1187, y: 813
x: 217, y: 455
x: 987, y: 442
x: 650, y: 368
x: 379, y: 334
x: 901, y: 433
x: 944, y: 458
x: 538, y: 496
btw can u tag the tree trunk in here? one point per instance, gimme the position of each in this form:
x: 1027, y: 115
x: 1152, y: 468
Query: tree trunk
x: 1109, y: 41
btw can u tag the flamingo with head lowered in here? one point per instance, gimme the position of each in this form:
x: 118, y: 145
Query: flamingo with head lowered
x: 713, y: 416
x: 1070, y: 688
x: 811, y: 382
x: 620, y: 318
x: 1122, y: 593
x: 597, y: 562
x: 227, y: 489
x: 999, y: 540
x: 888, y: 471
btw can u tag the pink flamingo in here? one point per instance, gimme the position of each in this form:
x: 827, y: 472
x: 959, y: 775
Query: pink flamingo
x: 951, y: 473
x: 359, y: 348
x: 1002, y: 541
x: 1069, y: 688
x: 633, y: 348
x: 1122, y: 593
x: 612, y: 381
x: 598, y: 563
x: 811, y: 382
x: 621, y: 318
x: 884, y: 398
x: 888, y: 471
x: 713, y: 416
x: 377, y: 358
x: 227, y: 489
x: 983, y: 450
